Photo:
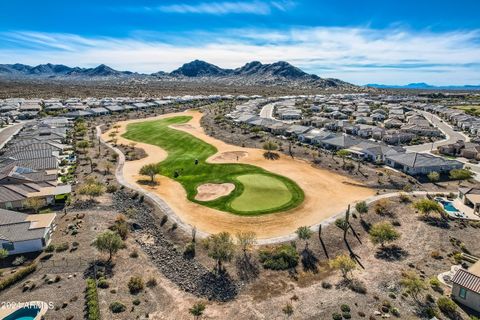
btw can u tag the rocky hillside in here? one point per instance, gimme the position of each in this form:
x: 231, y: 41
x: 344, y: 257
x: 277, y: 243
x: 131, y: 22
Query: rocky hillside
x: 251, y: 74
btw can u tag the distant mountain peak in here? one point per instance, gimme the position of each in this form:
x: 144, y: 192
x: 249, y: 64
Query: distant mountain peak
x: 251, y: 74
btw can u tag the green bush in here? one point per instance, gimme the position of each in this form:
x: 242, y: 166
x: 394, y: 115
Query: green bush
x: 62, y: 247
x: 91, y: 297
x: 281, y: 257
x: 345, y: 308
x: 361, y: 207
x: 50, y: 248
x: 135, y: 284
x: 446, y: 305
x: 461, y: 174
x: 17, y: 276
x: 336, y: 316
x: 111, y: 188
x: 117, y: 307
x: 103, y: 283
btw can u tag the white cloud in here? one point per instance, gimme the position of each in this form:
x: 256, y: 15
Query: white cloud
x: 359, y: 55
x: 223, y: 8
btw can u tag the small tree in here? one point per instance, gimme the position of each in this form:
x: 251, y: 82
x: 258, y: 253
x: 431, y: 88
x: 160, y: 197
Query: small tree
x: 361, y: 207
x: 343, y: 154
x: 83, y: 144
x: 246, y: 240
x: 220, y: 247
x: 108, y: 241
x: 383, y: 232
x: 34, y: 203
x: 270, y: 146
x: 343, y: 263
x: 197, y: 310
x: 305, y: 234
x: 150, y: 170
x: 413, y: 284
x: 433, y: 177
x: 427, y: 206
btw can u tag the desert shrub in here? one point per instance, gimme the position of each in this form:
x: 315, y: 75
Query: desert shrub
x: 50, y: 248
x: 357, y: 286
x: 18, y: 261
x: 136, y: 302
x: 346, y: 315
x: 17, y: 276
x: 460, y: 174
x: 435, y: 255
x: 337, y: 316
x: 164, y: 220
x: 135, y: 284
x: 447, y: 306
x: 134, y: 254
x: 434, y: 282
x: 280, y: 257
x: 361, y: 207
x: 91, y: 300
x: 326, y: 285
x: 152, y: 282
x: 103, y: 283
x: 189, y: 250
x: 381, y: 207
x: 395, y: 312
x: 404, y: 198
x: 62, y: 247
x: 111, y: 188
x: 345, y: 308
x: 117, y: 307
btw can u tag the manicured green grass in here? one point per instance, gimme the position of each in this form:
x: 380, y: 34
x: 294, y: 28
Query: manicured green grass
x: 183, y: 149
x: 261, y: 192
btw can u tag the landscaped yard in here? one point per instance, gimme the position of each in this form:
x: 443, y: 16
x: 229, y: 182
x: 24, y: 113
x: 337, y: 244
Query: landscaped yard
x: 257, y: 191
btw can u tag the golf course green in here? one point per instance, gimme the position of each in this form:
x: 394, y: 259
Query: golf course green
x: 257, y: 191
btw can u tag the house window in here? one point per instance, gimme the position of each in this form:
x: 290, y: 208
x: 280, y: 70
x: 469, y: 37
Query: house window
x: 8, y: 246
x: 463, y: 293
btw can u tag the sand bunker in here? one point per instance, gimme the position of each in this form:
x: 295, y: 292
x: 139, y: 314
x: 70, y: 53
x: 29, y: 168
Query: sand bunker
x: 212, y: 191
x: 228, y: 157
x: 326, y: 192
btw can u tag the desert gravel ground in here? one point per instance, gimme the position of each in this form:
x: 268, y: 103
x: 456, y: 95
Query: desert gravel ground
x: 326, y: 193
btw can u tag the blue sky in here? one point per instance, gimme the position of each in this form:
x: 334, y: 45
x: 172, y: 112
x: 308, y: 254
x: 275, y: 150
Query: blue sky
x: 393, y: 42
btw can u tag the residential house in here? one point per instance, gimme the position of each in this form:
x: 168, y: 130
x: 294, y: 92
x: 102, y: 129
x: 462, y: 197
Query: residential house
x: 466, y: 287
x: 421, y: 163
x: 339, y: 142
x: 23, y: 233
x: 471, y: 198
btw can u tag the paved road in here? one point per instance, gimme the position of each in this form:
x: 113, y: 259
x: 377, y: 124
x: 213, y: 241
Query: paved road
x: 8, y: 132
x: 267, y: 111
x: 451, y: 135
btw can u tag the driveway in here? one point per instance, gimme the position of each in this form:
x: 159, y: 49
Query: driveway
x: 267, y: 111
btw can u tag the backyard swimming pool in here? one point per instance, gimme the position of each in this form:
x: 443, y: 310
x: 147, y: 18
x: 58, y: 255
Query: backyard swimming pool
x: 447, y: 205
x: 25, y: 313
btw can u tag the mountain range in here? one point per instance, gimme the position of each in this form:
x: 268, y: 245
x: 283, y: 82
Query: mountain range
x: 423, y: 86
x: 252, y: 73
